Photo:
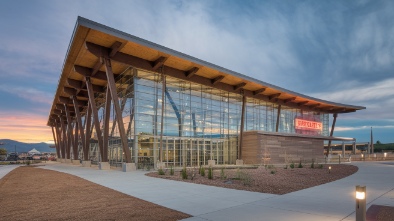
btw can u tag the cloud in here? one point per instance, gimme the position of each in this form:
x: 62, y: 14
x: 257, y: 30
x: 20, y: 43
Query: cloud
x: 339, y: 129
x: 29, y: 94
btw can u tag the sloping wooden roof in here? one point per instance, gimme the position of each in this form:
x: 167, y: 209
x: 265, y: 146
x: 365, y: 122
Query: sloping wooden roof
x: 90, y: 39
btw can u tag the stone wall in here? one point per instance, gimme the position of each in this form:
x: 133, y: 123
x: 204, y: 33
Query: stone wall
x: 278, y: 148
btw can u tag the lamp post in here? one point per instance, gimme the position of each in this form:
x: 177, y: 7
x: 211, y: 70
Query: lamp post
x: 361, y: 203
x: 329, y: 169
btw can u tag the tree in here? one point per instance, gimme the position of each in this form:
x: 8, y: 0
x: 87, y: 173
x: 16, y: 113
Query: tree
x: 378, y: 142
x: 3, y: 151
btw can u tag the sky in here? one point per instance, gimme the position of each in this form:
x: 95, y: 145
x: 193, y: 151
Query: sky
x: 341, y: 51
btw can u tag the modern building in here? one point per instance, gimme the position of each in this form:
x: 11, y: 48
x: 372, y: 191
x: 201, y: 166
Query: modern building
x: 122, y: 100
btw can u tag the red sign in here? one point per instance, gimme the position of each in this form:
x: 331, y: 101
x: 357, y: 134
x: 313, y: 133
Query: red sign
x: 302, y: 124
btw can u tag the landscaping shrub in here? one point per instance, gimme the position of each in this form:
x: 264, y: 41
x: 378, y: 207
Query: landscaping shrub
x: 210, y: 173
x: 313, y: 164
x: 273, y: 171
x: 320, y: 166
x: 300, y: 165
x: 172, y: 171
x: 292, y: 165
x: 202, y: 171
x: 161, y: 172
x: 184, y: 173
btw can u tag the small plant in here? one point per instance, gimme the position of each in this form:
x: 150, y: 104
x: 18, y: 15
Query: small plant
x: 320, y: 166
x: 210, y: 173
x: 300, y: 165
x: 222, y: 174
x: 202, y: 171
x: 184, y: 173
x: 28, y: 163
x: 238, y: 174
x: 273, y: 171
x: 199, y: 171
x: 313, y: 164
x: 172, y: 171
x: 161, y: 172
x: 292, y: 165
x: 148, y: 167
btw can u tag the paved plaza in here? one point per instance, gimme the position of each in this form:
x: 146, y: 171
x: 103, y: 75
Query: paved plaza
x: 331, y: 201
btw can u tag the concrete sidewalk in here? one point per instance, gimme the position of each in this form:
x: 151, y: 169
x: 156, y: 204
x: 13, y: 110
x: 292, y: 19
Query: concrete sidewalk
x: 4, y: 169
x: 332, y: 201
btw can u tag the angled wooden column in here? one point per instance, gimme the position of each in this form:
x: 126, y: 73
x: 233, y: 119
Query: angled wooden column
x: 122, y: 106
x: 70, y: 139
x: 59, y: 138
x: 278, y: 118
x: 111, y: 85
x: 242, y: 127
x: 107, y: 115
x: 88, y: 134
x: 79, y: 121
x: 76, y: 141
x: 95, y: 114
x: 331, y: 133
x: 55, y: 140
x: 64, y: 138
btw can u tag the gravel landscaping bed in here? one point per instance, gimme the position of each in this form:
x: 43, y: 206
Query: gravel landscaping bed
x: 31, y: 193
x: 269, y: 179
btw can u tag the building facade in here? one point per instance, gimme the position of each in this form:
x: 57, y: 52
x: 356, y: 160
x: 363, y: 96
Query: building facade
x: 124, y: 101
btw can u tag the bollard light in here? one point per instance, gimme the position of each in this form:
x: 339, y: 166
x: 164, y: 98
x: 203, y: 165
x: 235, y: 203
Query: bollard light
x: 329, y: 169
x: 362, y: 155
x: 385, y: 154
x: 361, y: 203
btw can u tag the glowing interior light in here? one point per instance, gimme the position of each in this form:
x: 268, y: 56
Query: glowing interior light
x: 360, y: 195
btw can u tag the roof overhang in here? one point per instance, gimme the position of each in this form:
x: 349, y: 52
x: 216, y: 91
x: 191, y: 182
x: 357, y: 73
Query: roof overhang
x: 90, y: 40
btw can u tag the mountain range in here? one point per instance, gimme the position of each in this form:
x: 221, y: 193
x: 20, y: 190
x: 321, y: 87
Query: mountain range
x: 11, y: 145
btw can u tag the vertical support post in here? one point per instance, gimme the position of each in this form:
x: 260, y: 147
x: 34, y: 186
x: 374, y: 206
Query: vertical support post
x: 79, y: 121
x: 76, y: 141
x: 64, y: 136
x: 135, y: 151
x: 88, y: 125
x: 163, y: 88
x: 59, y: 139
x: 95, y: 114
x: 372, y: 148
x: 107, y: 114
x: 278, y: 118
x: 69, y: 133
x: 242, y: 127
x: 354, y: 147
x: 343, y: 149
x: 111, y: 85
x: 331, y: 133
x: 55, y: 140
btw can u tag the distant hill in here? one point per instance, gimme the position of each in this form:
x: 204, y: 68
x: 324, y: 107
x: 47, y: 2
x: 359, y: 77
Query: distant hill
x: 9, y: 145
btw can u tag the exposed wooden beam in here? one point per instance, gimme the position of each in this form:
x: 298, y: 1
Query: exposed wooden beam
x: 288, y: 100
x: 158, y: 63
x: 239, y: 86
x: 137, y: 62
x: 190, y: 73
x: 70, y: 91
x: 216, y: 80
x: 272, y: 96
x: 86, y: 72
x: 302, y: 103
x: 116, y: 47
x: 74, y: 83
x: 313, y: 106
x: 259, y: 91
x: 59, y: 106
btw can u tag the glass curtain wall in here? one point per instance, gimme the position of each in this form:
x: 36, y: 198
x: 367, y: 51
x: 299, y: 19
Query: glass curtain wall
x: 200, y: 123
